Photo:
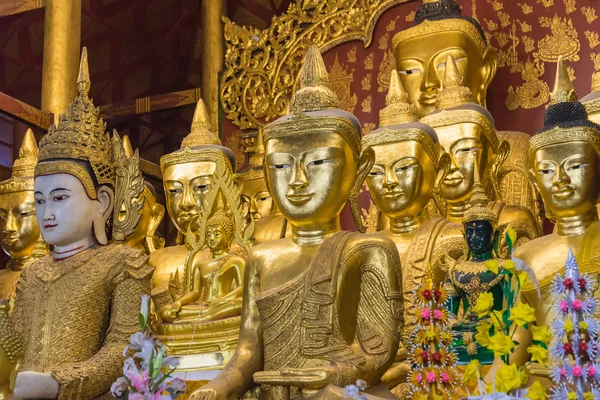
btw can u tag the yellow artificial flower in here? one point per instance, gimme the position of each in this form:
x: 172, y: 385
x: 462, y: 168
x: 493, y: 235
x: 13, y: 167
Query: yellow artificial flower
x: 523, y: 277
x: 588, y: 396
x: 536, y: 392
x: 538, y: 354
x: 571, y: 396
x: 508, y: 378
x: 501, y: 344
x: 492, y: 265
x: 483, y: 333
x: 583, y: 325
x: 524, y: 375
x: 430, y: 334
x: 512, y: 234
x: 568, y: 326
x: 497, y: 320
x: 522, y: 314
x: 484, y: 304
x: 472, y: 371
x: 509, y: 265
x: 541, y: 334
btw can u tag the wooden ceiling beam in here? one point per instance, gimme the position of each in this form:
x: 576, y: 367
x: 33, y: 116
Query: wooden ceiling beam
x: 25, y: 112
x: 11, y: 7
x: 148, y: 104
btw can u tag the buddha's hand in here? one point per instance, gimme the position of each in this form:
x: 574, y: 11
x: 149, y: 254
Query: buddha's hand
x: 206, y: 393
x: 169, y: 312
x: 537, y: 370
x: 35, y: 385
x: 305, y: 378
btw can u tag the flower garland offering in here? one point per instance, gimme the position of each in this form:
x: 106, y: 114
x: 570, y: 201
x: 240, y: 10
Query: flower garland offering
x: 144, y: 375
x: 575, y: 352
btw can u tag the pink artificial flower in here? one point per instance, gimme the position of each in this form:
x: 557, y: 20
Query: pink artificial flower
x: 119, y: 387
x: 178, y: 385
x: 431, y: 377
x: 563, y: 372
x: 591, y: 370
x: 577, y: 304
x: 563, y: 306
x: 139, y: 380
x: 135, y: 396
x: 577, y: 370
x: 419, y: 378
x: 426, y: 313
x: 445, y: 377
x: 438, y: 314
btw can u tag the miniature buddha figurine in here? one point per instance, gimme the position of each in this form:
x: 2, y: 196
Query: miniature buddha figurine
x: 11, y: 352
x: 591, y: 102
x: 186, y: 177
x: 323, y: 307
x: 19, y: 232
x: 408, y: 166
x: 440, y: 30
x: 466, y: 131
x: 76, y: 308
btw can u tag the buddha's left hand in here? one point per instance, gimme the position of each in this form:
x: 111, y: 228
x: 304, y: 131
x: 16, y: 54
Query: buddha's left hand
x: 306, y: 378
x: 35, y: 385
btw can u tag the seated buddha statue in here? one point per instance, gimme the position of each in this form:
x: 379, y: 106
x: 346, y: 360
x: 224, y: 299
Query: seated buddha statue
x: 186, y: 179
x: 76, y: 308
x: 323, y: 307
x: 19, y: 232
x: 466, y: 131
x: 409, y: 164
x: 565, y: 159
x: 440, y: 30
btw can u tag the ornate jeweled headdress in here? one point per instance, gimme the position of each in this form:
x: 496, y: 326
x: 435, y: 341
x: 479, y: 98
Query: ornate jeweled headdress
x: 221, y: 217
x: 478, y: 210
x: 21, y: 178
x: 255, y: 170
x: 436, y: 16
x: 566, y: 119
x: 79, y: 137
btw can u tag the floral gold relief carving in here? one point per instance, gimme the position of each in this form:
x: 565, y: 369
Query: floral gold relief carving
x: 352, y: 54
x: 596, y: 60
x: 391, y: 26
x: 529, y: 44
x: 546, y: 3
x: 570, y: 6
x: 339, y: 81
x: 571, y: 72
x: 369, y: 217
x: 492, y: 26
x: 525, y: 27
x: 496, y: 5
x: 533, y: 93
x: 366, y: 82
x: 369, y: 127
x: 526, y: 8
x: 504, y: 19
x: 589, y: 13
x: 592, y: 38
x: 411, y: 16
x: 562, y: 41
x: 366, y: 104
x: 370, y: 62
x: 385, y: 71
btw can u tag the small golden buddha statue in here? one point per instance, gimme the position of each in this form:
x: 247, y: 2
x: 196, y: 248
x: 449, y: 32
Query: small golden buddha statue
x: 322, y: 308
x: 409, y: 165
x: 186, y: 179
x: 11, y: 352
x: 591, y: 102
x: 440, y: 30
x: 75, y: 308
x: 565, y: 158
x: 19, y: 232
x: 466, y: 131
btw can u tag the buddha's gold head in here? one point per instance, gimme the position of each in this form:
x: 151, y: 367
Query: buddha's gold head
x: 466, y: 132
x: 441, y: 30
x: 187, y: 172
x: 407, y: 156
x: 313, y: 156
x: 19, y: 230
x: 565, y: 154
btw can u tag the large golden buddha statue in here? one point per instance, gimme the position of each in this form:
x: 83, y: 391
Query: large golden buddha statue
x: 466, y: 131
x: 19, y: 232
x: 322, y: 308
x: 440, y: 30
x: 186, y: 178
x: 76, y: 308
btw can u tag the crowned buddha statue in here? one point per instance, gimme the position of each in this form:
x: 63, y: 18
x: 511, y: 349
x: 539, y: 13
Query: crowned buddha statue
x: 440, y: 30
x: 466, y: 131
x: 75, y: 308
x: 409, y: 165
x: 19, y: 232
x: 323, y: 307
x: 186, y: 179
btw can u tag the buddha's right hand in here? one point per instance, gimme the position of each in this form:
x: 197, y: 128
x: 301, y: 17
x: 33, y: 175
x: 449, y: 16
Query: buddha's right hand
x: 169, y: 312
x: 537, y: 370
x: 205, y: 394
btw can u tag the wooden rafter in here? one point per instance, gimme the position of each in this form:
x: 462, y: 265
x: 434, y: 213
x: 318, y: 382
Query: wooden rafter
x: 152, y: 103
x: 10, y: 7
x: 24, y: 111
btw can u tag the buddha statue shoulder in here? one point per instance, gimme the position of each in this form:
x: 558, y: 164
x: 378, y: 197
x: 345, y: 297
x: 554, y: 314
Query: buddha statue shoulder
x: 19, y: 232
x: 466, y: 131
x: 440, y: 30
x: 323, y: 307
x: 66, y: 301
x: 565, y: 160
x: 186, y: 178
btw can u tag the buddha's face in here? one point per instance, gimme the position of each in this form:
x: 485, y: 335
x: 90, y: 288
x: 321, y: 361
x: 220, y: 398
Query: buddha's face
x: 467, y: 146
x: 150, y: 217
x: 19, y: 229
x: 310, y: 177
x: 257, y: 198
x: 216, y: 238
x: 567, y: 175
x: 185, y: 187
x: 479, y: 236
x: 65, y: 213
x: 402, y: 178
x: 421, y: 62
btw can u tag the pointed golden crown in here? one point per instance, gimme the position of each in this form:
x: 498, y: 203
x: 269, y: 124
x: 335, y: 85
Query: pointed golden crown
x: 201, y: 132
x: 453, y: 92
x: 479, y: 210
x: 563, y: 88
x: 21, y: 178
x: 398, y: 110
x: 79, y: 135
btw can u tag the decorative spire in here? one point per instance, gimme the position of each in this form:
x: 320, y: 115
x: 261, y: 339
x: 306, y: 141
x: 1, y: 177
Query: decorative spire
x: 201, y: 133
x: 24, y: 166
x: 83, y: 79
x: 127, y: 146
x: 314, y: 93
x: 563, y: 87
x: 453, y: 92
x: 398, y: 110
x: 571, y: 267
x: 256, y: 159
x: 478, y: 210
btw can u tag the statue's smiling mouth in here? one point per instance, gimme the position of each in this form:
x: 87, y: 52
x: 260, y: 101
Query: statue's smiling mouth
x: 50, y: 226
x: 298, y: 198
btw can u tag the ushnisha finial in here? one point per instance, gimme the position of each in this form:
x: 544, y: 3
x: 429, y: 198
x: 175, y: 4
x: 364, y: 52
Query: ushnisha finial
x: 398, y: 110
x: 478, y: 210
x: 314, y: 93
x: 127, y: 146
x: 256, y: 159
x: 83, y: 79
x: 563, y: 87
x: 201, y: 133
x: 24, y: 166
x: 453, y: 92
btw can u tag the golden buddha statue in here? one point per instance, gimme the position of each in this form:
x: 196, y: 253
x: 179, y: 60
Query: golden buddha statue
x: 466, y: 131
x: 11, y: 352
x: 186, y: 179
x: 440, y: 30
x: 19, y: 232
x: 591, y: 102
x: 322, y: 308
x: 409, y: 165
x: 76, y: 307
